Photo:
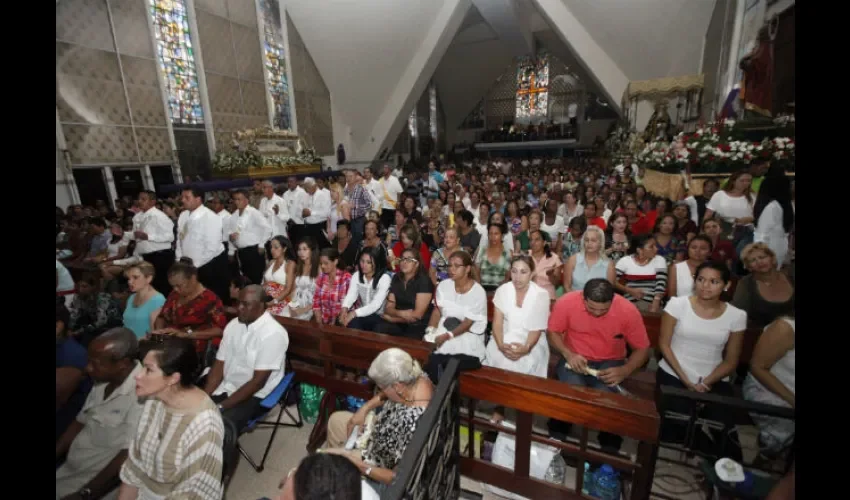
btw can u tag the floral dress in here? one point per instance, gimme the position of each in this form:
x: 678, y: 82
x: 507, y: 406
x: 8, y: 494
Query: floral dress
x: 394, y: 428
x: 571, y: 246
x: 203, y: 312
x: 305, y: 289
x: 440, y: 263
x: 493, y: 275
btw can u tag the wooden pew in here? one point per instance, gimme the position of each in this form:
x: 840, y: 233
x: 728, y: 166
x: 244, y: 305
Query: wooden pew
x: 317, y: 352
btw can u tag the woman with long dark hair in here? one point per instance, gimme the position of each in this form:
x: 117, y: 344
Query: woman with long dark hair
x: 303, y: 287
x: 774, y: 215
x: 369, y: 288
x: 642, y: 275
x: 331, y: 287
x: 409, y: 300
x: 279, y: 273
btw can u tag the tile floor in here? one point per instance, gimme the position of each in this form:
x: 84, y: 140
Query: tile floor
x: 290, y: 447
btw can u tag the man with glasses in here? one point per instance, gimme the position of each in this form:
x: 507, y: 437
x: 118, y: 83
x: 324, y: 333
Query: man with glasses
x: 591, y: 329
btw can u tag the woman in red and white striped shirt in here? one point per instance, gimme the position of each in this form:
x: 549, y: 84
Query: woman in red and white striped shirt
x: 642, y: 275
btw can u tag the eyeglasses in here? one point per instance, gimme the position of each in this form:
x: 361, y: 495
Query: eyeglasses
x: 409, y: 259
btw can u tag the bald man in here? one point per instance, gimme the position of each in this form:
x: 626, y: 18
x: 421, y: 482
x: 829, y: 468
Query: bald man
x: 96, y: 442
x: 250, y: 360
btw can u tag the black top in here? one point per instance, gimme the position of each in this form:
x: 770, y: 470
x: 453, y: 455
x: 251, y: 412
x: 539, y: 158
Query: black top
x: 405, y: 296
x: 471, y: 240
x: 349, y: 256
x: 761, y: 312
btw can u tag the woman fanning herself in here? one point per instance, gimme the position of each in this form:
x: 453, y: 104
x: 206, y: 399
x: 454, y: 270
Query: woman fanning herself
x: 191, y: 311
x: 458, y: 322
x: 303, y: 287
x: 176, y: 452
x: 369, y: 288
x: 589, y: 263
x: 404, y: 394
x: 680, y: 282
x: 667, y: 244
x: 406, y: 314
x: 494, y: 261
x: 642, y: 275
x: 281, y: 267
x: 331, y: 287
x: 617, y: 237
x: 410, y: 238
x: 771, y: 381
x: 520, y: 316
x: 440, y: 258
x: 766, y: 293
x: 701, y: 338
x: 546, y: 263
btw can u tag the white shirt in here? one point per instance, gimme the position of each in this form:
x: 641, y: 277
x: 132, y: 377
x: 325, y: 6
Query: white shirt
x: 199, y: 236
x: 390, y: 188
x: 252, y: 228
x: 66, y: 282
x: 555, y: 230
x: 770, y: 231
x: 730, y: 208
x: 372, y: 299
x: 158, y: 227
x: 278, y: 220
x: 684, y: 280
x: 471, y: 305
x: 224, y: 215
x: 290, y: 197
x: 319, y: 204
x: 694, y: 208
x: 245, y: 348
x: 373, y: 189
x: 698, y: 343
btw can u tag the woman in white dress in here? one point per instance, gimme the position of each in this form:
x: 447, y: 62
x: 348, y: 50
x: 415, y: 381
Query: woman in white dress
x: 274, y: 279
x: 774, y: 216
x: 301, y: 289
x: 733, y: 204
x: 520, y: 316
x: 458, y: 322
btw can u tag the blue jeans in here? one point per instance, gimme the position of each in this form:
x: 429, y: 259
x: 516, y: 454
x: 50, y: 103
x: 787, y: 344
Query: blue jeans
x: 357, y: 227
x: 608, y: 442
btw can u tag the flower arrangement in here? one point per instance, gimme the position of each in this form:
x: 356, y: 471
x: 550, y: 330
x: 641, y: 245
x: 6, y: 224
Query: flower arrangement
x: 717, y: 148
x: 245, y: 153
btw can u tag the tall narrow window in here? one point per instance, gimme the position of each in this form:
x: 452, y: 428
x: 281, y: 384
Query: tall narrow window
x: 432, y: 108
x: 532, y: 89
x: 275, y: 62
x: 177, y: 61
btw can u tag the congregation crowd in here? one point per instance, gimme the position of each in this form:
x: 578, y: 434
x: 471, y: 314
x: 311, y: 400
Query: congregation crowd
x: 569, y: 256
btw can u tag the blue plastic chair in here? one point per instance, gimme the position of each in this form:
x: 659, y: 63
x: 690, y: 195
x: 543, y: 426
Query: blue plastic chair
x: 277, y: 397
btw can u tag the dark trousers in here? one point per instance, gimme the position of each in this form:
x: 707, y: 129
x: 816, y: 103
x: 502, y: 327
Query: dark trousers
x: 242, y: 413
x: 251, y: 263
x: 676, y: 431
x: 368, y: 323
x: 215, y: 275
x: 609, y: 442
x: 409, y: 330
x: 161, y: 262
x: 387, y: 218
x: 316, y: 231
x: 358, y: 226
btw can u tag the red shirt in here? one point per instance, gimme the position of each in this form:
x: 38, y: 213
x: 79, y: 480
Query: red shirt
x: 327, y: 299
x: 597, y: 221
x: 642, y: 226
x: 201, y: 313
x: 723, y: 251
x: 424, y: 253
x: 598, y: 338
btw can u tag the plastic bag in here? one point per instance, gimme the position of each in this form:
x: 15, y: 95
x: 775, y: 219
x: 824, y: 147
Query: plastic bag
x: 311, y: 398
x: 545, y: 462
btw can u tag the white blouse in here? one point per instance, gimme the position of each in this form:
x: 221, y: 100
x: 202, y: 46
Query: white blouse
x: 730, y: 208
x: 684, y: 280
x: 471, y: 305
x: 698, y: 343
x: 770, y: 231
x: 373, y: 299
x: 518, y: 322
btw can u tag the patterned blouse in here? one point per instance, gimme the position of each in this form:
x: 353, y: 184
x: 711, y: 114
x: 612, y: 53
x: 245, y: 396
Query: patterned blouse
x: 493, y: 275
x: 394, y: 428
x: 440, y: 263
x: 203, y: 312
x: 93, y: 315
x: 176, y: 454
x: 327, y: 299
x: 673, y: 248
x: 571, y: 246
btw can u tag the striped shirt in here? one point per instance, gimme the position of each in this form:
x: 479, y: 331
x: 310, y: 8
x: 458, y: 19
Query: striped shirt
x: 176, y: 454
x: 360, y: 201
x: 650, y: 277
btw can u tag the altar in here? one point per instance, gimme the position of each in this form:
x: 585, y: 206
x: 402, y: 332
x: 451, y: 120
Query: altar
x: 265, y: 152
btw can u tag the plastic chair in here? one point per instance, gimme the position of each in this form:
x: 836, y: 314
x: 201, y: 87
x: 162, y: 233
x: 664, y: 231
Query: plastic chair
x: 275, y: 398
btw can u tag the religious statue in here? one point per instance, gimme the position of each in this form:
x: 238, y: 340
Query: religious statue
x: 658, y: 123
x: 757, y: 85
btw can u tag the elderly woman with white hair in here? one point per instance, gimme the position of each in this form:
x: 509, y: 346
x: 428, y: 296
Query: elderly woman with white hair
x: 403, y: 394
x: 589, y: 263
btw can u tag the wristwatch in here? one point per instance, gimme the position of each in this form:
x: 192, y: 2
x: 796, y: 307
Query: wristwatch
x: 368, y: 471
x: 85, y: 493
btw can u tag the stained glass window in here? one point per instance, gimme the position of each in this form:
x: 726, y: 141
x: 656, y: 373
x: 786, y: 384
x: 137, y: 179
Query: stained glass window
x: 177, y: 60
x: 532, y: 89
x: 275, y: 62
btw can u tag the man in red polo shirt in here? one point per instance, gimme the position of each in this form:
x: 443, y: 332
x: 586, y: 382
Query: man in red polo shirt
x: 591, y: 329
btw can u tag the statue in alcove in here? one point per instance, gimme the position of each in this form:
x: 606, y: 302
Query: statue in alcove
x: 757, y: 85
x: 659, y: 123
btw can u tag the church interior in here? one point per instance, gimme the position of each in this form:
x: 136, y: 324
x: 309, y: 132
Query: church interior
x: 680, y: 111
